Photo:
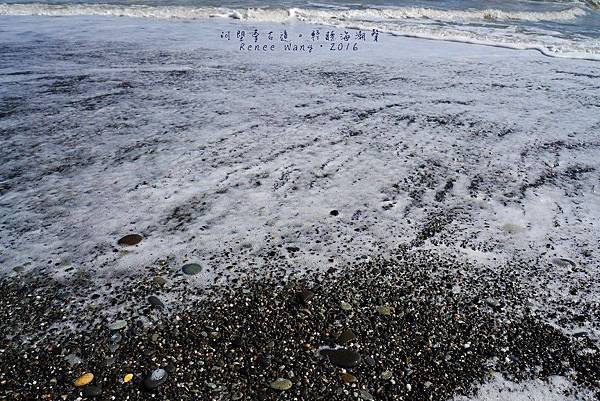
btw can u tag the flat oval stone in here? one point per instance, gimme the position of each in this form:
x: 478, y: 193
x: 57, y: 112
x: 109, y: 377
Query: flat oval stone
x: 345, y: 306
x: 131, y: 239
x: 281, y: 384
x: 155, y: 379
x: 83, y: 380
x: 563, y: 262
x: 156, y: 302
x: 127, y: 378
x: 118, y: 325
x: 92, y: 391
x: 191, y: 268
x: 342, y: 357
x: 348, y: 378
x: 385, y: 310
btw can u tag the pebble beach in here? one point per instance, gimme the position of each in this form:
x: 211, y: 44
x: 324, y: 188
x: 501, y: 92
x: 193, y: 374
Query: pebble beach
x: 183, y: 221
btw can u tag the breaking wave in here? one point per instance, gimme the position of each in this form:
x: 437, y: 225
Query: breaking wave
x: 486, y: 27
x: 274, y: 15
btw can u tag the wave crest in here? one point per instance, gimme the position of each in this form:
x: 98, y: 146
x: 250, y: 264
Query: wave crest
x: 282, y: 14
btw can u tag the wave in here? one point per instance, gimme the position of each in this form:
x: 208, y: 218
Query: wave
x: 276, y: 15
x: 426, y: 23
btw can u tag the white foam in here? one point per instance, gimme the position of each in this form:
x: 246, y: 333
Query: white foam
x: 405, y: 21
x: 275, y: 15
x: 555, y: 388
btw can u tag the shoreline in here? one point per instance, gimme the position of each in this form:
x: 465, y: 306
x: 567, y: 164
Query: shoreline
x: 439, y: 200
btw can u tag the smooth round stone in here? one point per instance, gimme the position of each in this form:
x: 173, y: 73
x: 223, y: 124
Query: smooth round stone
x: 129, y: 240
x: 342, y: 357
x: 155, y: 379
x: 118, y: 325
x: 365, y: 395
x: 305, y: 296
x: 385, y: 310
x: 370, y: 361
x: 281, y: 384
x: 191, y: 268
x: 83, y: 380
x: 387, y: 375
x: 346, y: 336
x: 492, y: 302
x: 160, y: 280
x: 127, y: 378
x: 345, y: 306
x: 156, y: 302
x: 92, y: 391
x: 109, y: 361
x: 73, y: 359
x: 348, y: 378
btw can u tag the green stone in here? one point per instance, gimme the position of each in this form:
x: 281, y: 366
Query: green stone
x: 281, y: 384
x: 191, y: 268
x: 118, y: 325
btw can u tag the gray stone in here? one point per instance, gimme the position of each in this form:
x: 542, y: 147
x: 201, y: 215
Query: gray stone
x: 155, y: 379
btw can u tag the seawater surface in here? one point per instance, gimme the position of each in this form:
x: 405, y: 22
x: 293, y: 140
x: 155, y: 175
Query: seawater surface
x: 555, y: 28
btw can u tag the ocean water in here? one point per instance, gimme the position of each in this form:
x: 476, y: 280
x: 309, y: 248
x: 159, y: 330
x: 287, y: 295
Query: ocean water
x: 555, y: 28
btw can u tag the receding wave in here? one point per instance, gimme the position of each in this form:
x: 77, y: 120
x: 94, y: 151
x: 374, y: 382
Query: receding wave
x: 468, y: 26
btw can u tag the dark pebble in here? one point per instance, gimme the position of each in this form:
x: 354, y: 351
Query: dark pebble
x: 92, y: 391
x: 131, y: 239
x: 156, y: 302
x: 305, y: 296
x: 346, y: 336
x: 334, y: 212
x: 342, y: 357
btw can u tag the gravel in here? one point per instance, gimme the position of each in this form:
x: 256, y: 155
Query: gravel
x: 235, y: 341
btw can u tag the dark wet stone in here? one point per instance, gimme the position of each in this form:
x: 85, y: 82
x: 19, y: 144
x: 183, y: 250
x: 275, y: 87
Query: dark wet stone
x: 305, y: 296
x: 156, y: 302
x: 191, y: 269
x: 92, y: 391
x: 155, y: 379
x: 563, y: 262
x: 170, y: 368
x: 492, y: 302
x: 292, y: 249
x: 346, y: 336
x: 237, y: 342
x: 131, y: 239
x: 342, y: 357
x: 334, y: 212
x: 109, y: 362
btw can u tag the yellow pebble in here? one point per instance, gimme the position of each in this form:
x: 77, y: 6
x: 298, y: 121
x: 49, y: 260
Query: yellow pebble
x: 127, y: 378
x: 84, y: 379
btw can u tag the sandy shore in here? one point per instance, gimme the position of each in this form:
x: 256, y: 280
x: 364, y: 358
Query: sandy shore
x: 428, y: 207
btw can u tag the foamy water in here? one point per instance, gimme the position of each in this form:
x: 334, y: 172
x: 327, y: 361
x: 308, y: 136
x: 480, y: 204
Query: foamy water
x: 570, y: 29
